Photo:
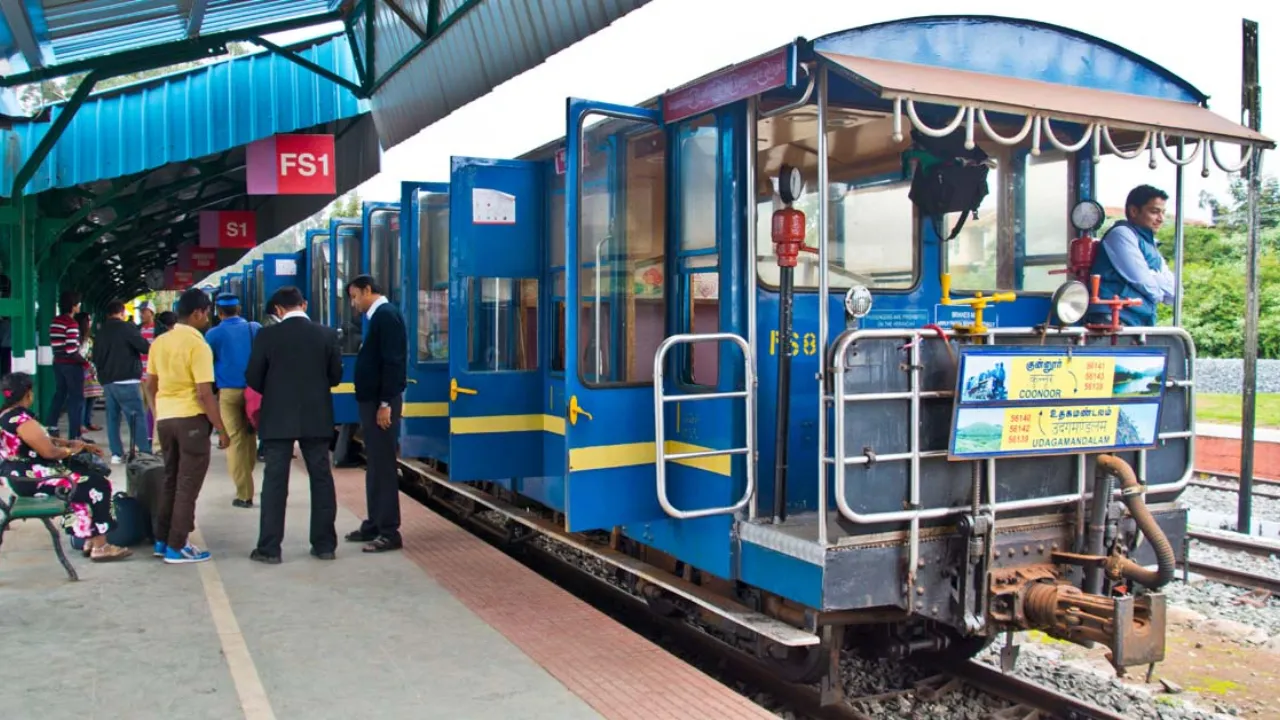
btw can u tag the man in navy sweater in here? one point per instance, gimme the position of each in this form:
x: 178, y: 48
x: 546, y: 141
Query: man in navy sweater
x: 380, y: 383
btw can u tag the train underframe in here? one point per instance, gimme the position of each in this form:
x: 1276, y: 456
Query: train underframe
x: 1034, y: 582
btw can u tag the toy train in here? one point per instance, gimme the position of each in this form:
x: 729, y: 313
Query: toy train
x: 819, y: 373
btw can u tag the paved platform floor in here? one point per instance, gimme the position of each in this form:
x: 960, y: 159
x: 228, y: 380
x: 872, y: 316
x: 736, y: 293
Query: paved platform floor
x: 474, y: 636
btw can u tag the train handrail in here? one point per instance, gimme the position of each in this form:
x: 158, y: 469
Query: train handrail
x: 840, y: 399
x: 660, y: 399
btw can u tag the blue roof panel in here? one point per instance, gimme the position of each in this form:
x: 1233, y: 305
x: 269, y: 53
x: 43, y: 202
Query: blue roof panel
x: 185, y: 116
x: 69, y: 30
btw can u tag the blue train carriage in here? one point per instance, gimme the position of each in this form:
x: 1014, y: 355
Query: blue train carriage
x: 424, y: 300
x: 347, y: 260
x: 752, y: 407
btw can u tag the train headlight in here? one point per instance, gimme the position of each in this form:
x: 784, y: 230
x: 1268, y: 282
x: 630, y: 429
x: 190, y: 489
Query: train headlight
x: 857, y: 302
x: 1070, y: 302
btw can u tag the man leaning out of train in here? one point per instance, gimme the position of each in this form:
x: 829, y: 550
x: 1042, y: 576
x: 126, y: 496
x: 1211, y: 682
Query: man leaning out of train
x: 1130, y: 263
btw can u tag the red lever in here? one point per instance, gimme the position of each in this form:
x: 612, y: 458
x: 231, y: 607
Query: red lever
x: 1116, y: 304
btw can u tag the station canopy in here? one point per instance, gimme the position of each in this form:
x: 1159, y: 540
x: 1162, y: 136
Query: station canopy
x: 121, y: 174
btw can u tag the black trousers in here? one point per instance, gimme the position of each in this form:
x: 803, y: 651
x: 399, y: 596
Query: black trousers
x: 275, y: 494
x: 68, y: 395
x: 381, y: 476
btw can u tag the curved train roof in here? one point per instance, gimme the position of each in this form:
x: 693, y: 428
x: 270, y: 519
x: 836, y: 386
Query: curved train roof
x: 1012, y: 47
x: 1028, y: 56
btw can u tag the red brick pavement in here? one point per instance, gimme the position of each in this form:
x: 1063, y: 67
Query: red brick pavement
x: 620, y: 674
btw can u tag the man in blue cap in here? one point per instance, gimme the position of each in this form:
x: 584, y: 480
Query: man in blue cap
x: 231, y: 341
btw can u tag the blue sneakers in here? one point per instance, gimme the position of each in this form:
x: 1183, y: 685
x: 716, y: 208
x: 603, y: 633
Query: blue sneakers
x: 188, y: 554
x: 161, y: 549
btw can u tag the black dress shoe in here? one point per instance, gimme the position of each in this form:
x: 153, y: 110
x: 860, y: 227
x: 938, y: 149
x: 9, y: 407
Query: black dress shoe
x: 358, y: 536
x: 259, y: 556
x: 322, y: 554
x: 242, y: 503
x: 383, y: 544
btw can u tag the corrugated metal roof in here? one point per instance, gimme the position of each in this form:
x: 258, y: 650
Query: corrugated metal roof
x: 185, y: 116
x: 484, y: 45
x: 47, y: 33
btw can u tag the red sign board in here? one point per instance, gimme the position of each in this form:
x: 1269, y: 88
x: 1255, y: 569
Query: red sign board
x: 736, y: 83
x: 183, y: 279
x: 562, y: 160
x: 228, y: 229
x: 197, y: 259
x: 292, y: 165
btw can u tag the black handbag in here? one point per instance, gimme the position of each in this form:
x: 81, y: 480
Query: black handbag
x: 87, y: 463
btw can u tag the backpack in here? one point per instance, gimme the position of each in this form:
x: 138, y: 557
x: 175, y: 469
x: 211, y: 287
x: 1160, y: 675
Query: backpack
x: 949, y: 178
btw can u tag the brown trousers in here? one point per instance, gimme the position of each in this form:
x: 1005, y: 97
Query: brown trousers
x: 186, y: 447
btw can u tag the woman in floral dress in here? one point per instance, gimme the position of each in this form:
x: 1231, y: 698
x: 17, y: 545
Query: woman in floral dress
x: 30, y: 465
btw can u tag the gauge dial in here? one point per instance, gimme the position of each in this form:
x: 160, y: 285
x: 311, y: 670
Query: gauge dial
x: 790, y: 184
x: 1087, y: 216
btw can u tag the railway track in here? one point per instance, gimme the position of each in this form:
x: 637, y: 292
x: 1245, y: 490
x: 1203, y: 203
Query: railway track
x: 1262, y: 492
x: 1255, y: 546
x: 1025, y: 700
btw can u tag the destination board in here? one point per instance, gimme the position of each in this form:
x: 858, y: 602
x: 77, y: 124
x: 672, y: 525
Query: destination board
x: 1022, y: 401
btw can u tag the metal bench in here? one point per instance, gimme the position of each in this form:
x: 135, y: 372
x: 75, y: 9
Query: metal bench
x: 13, y: 508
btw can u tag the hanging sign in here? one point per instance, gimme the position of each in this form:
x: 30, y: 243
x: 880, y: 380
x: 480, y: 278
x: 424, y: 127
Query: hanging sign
x: 292, y: 165
x: 228, y: 229
x: 197, y: 259
x: 1024, y: 401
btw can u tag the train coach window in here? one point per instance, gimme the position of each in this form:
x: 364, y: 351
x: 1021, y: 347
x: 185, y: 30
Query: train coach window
x: 873, y: 237
x: 622, y: 253
x: 698, y: 264
x: 318, y: 307
x: 1047, y: 207
x: 384, y: 260
x: 502, y: 324
x: 433, y: 277
x: 1022, y: 229
x: 348, y: 266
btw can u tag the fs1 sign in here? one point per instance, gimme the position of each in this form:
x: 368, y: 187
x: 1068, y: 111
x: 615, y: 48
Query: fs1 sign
x: 292, y: 165
x: 228, y: 229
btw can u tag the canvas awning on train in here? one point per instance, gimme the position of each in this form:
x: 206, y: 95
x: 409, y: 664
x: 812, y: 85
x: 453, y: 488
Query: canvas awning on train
x: 1068, y: 103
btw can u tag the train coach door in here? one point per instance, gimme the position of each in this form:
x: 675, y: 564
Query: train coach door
x: 616, y: 261
x: 345, y: 264
x: 497, y: 225
x: 424, y: 245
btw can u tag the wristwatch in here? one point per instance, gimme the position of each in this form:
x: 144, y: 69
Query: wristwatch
x: 384, y: 404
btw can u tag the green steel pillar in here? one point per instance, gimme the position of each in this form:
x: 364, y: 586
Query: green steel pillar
x: 16, y: 233
x: 47, y: 310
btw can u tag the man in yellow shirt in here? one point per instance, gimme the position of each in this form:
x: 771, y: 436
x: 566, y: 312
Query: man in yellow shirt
x: 180, y: 387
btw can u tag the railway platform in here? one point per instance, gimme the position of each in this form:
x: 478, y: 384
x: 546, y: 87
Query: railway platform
x: 448, y: 628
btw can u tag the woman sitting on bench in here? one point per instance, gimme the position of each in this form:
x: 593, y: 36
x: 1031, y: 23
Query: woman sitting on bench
x: 30, y: 463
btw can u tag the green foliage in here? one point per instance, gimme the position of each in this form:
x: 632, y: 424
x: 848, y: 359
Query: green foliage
x: 1213, y: 304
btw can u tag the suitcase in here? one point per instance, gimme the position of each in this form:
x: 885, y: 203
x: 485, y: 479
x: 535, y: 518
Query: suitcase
x: 144, y: 482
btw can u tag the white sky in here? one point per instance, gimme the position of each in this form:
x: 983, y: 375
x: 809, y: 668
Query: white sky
x: 633, y: 60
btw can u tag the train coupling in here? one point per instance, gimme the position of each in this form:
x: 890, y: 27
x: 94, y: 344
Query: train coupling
x: 1131, y: 627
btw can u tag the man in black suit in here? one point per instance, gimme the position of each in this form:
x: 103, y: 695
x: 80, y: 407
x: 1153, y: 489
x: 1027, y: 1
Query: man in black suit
x: 293, y: 365
x: 380, y: 382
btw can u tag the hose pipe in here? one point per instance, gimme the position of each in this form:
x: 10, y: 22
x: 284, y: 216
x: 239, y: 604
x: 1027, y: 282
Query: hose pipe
x: 1131, y: 494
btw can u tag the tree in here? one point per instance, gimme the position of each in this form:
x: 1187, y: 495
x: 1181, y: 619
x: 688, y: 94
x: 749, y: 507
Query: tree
x: 35, y: 96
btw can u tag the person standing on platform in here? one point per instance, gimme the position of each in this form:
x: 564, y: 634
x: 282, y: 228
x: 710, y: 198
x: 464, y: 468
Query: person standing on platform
x: 231, y: 341
x: 147, y: 315
x: 118, y: 355
x: 68, y: 367
x: 294, y: 365
x: 92, y: 388
x: 180, y: 385
x: 380, y: 381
